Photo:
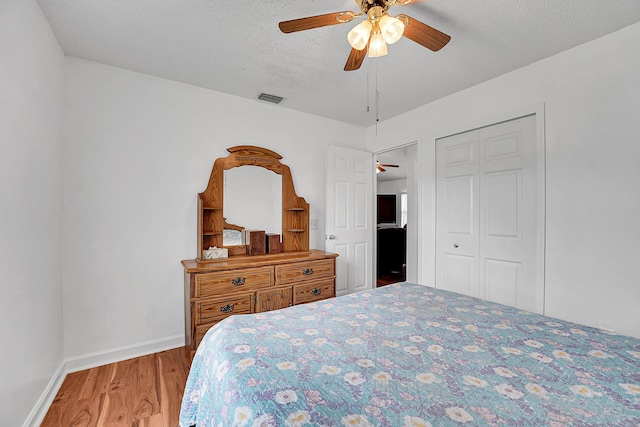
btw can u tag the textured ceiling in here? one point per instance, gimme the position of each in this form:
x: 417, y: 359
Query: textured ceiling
x: 237, y: 48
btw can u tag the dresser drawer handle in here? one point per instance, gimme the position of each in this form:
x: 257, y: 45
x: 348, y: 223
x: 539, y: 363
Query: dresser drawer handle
x: 227, y: 308
x: 237, y: 281
x: 315, y: 291
x: 307, y: 271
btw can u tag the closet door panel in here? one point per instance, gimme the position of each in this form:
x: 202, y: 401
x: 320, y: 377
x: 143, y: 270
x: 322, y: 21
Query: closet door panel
x: 487, y: 214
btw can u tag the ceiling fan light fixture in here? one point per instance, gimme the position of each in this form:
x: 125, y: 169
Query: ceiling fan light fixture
x: 377, y: 45
x: 391, y: 28
x: 375, y: 32
x: 359, y: 35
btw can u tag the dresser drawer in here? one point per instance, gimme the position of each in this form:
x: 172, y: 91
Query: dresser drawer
x: 210, y: 284
x: 304, y: 271
x: 315, y: 291
x: 214, y: 310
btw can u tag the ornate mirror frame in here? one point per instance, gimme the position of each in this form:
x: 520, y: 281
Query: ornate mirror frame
x: 211, y: 221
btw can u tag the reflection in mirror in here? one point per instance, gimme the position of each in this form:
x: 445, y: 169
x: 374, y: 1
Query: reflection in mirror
x: 252, y: 200
x: 231, y: 237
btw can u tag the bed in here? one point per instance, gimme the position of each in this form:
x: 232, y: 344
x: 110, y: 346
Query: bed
x: 410, y: 355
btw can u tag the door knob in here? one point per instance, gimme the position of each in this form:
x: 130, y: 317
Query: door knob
x: 332, y: 237
x: 455, y: 245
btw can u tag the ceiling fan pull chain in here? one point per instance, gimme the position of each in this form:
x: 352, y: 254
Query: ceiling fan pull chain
x: 377, y: 100
x: 368, y: 102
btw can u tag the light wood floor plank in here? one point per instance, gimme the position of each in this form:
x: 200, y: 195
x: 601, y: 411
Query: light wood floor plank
x: 174, y: 372
x: 141, y: 392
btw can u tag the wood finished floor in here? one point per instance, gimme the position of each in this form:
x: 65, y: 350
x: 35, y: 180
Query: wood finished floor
x: 388, y: 279
x: 141, y: 392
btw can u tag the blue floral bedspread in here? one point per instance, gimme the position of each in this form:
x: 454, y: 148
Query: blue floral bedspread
x: 409, y: 355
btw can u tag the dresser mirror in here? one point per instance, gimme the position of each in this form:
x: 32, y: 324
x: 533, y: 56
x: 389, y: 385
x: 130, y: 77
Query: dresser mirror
x: 251, y: 189
x: 252, y: 200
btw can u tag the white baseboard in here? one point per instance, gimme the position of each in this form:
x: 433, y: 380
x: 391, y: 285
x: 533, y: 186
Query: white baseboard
x: 92, y: 360
x: 46, y: 398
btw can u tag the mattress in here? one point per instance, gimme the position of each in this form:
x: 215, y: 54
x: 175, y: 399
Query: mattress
x: 410, y: 355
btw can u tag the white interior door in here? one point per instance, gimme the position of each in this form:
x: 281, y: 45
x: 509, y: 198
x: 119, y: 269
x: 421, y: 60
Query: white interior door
x: 413, y: 215
x: 348, y: 219
x: 488, y: 221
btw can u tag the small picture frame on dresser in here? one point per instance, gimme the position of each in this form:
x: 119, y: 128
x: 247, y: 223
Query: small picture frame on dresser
x: 255, y: 241
x: 273, y: 243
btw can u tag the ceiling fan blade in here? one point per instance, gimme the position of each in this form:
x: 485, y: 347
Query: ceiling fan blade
x: 389, y: 166
x: 381, y: 169
x: 355, y: 59
x: 425, y: 35
x: 314, y: 22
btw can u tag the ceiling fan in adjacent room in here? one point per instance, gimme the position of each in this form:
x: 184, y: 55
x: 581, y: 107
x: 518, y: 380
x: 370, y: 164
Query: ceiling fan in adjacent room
x: 375, y: 32
x: 380, y: 167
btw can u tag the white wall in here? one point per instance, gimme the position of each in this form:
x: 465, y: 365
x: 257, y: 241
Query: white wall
x: 137, y: 151
x: 31, y: 90
x: 591, y: 97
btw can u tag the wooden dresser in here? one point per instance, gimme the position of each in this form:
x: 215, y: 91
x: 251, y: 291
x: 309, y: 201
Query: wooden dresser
x: 218, y: 289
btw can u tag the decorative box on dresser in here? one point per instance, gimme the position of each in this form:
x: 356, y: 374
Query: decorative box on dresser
x: 215, y: 289
x: 252, y: 284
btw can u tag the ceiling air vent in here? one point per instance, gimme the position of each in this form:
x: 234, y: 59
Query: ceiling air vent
x: 270, y: 98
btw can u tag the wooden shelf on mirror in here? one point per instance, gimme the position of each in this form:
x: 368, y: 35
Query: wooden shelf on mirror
x: 211, y: 220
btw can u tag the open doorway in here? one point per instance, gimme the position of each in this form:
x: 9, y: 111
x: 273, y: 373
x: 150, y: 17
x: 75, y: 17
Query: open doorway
x: 396, y: 237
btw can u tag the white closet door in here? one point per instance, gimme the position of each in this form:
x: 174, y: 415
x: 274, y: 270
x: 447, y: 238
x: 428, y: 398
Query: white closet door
x: 457, y: 238
x: 487, y: 214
